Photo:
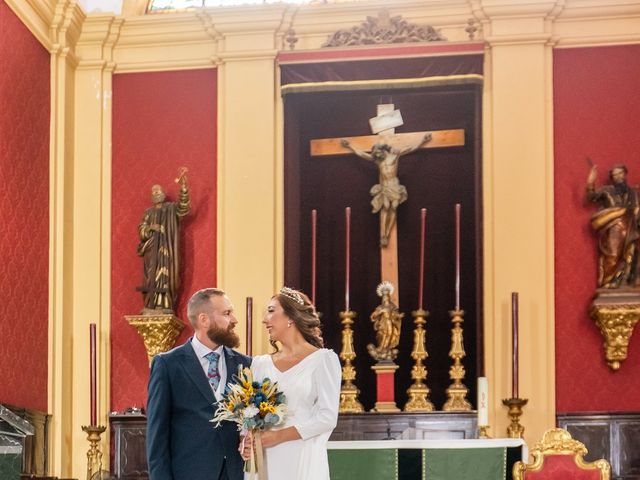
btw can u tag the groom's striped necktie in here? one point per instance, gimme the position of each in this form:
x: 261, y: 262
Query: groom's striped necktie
x: 212, y: 372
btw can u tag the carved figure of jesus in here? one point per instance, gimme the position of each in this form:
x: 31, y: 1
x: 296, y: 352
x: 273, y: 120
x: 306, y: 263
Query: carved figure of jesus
x: 388, y: 194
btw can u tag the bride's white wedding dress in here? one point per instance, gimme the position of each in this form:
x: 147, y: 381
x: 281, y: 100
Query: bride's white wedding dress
x: 312, y: 388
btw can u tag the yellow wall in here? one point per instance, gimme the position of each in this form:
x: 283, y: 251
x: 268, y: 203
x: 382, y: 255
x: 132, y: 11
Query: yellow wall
x: 243, y: 42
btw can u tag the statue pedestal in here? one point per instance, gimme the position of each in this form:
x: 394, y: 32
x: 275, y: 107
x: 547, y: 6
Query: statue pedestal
x: 159, y: 332
x: 385, y: 397
x: 616, y: 312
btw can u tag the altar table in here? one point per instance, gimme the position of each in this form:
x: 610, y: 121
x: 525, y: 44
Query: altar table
x: 490, y: 459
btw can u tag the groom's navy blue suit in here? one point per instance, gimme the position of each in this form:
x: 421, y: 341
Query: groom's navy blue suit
x: 182, y: 443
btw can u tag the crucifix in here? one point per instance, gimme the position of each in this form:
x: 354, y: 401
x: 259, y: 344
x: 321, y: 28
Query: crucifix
x: 385, y: 148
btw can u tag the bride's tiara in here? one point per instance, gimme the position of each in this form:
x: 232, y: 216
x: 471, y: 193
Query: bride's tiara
x: 292, y: 294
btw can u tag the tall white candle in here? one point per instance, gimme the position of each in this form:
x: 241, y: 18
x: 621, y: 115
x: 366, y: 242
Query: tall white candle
x: 483, y: 401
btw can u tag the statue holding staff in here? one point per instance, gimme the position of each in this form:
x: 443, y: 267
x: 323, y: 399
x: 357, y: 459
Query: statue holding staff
x: 159, y: 247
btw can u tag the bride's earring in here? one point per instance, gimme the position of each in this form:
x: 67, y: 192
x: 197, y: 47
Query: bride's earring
x: 288, y: 324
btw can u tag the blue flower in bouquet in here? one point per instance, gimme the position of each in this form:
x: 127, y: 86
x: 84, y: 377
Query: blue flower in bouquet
x: 259, y: 398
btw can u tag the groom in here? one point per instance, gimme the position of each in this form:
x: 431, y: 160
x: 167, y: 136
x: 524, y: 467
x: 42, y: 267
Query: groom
x: 184, y: 388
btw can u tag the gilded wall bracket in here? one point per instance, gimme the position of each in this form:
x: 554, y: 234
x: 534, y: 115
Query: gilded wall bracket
x: 159, y: 332
x: 616, y: 313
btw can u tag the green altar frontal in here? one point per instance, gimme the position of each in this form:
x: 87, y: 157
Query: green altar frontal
x: 425, y: 459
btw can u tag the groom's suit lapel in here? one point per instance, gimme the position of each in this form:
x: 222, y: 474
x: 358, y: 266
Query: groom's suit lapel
x: 231, y: 361
x: 192, y: 367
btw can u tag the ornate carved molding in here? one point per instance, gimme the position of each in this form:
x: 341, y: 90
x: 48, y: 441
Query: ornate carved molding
x: 384, y: 30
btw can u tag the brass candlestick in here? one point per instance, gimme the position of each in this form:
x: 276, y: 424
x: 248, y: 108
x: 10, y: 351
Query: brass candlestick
x: 457, y: 392
x: 515, y: 429
x: 418, y: 391
x: 94, y: 455
x: 349, y: 402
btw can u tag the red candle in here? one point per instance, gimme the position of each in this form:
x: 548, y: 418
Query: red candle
x: 514, y: 344
x: 423, y: 221
x: 347, y: 215
x: 457, y: 256
x: 314, y: 223
x: 249, y: 325
x: 92, y: 367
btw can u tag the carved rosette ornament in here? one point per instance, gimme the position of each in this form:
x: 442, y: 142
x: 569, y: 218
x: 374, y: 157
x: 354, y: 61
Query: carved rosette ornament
x: 158, y: 332
x: 616, y: 314
x: 384, y: 30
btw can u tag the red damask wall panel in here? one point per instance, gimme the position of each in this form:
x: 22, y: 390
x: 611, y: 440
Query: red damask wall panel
x: 24, y: 218
x: 596, y: 112
x: 161, y: 121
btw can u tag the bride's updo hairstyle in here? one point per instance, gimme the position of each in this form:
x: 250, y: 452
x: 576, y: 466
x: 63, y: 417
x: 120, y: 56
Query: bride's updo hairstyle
x: 299, y: 309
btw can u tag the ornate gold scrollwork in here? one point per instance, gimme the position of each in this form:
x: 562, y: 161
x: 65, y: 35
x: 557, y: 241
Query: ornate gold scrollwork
x: 616, y: 322
x: 159, y: 332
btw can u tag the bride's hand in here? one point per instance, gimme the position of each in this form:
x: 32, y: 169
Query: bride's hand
x: 244, y: 448
x: 270, y: 438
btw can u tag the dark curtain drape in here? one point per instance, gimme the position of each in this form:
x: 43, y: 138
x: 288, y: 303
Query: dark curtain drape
x: 435, y: 179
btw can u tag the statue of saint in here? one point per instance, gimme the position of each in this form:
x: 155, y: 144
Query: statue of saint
x: 617, y: 224
x: 389, y: 193
x: 159, y: 247
x: 387, y: 320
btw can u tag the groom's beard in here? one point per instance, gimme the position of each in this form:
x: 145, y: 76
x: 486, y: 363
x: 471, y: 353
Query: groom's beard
x: 223, y: 336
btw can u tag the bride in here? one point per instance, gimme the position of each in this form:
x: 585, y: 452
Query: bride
x: 309, y: 376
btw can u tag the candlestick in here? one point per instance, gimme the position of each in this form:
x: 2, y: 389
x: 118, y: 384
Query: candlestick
x: 92, y: 374
x: 457, y: 256
x: 483, y: 401
x: 314, y: 223
x: 514, y: 344
x: 347, y: 214
x: 423, y: 221
x: 249, y: 325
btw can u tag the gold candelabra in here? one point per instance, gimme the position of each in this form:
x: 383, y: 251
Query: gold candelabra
x: 515, y: 428
x: 457, y: 392
x: 418, y: 391
x: 94, y: 455
x: 349, y: 402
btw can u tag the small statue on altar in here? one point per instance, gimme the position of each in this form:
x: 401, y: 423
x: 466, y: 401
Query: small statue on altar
x: 387, y: 320
x: 389, y: 193
x: 617, y: 224
x: 159, y: 245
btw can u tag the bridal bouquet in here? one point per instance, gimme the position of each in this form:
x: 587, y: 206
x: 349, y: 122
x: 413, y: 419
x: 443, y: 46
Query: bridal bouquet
x: 255, y: 405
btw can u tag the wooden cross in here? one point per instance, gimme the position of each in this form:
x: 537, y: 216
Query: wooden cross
x: 402, y: 143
